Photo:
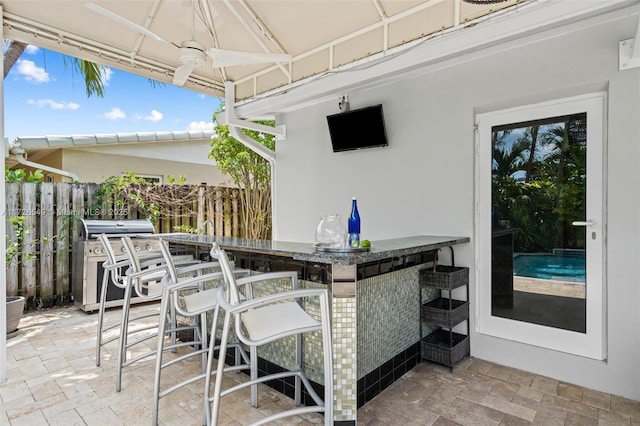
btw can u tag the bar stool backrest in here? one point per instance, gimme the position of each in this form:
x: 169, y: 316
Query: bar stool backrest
x: 116, y: 273
x: 131, y: 251
x: 233, y: 294
x: 168, y: 259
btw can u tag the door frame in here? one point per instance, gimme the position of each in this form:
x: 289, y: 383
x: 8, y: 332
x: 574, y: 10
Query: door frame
x: 593, y: 343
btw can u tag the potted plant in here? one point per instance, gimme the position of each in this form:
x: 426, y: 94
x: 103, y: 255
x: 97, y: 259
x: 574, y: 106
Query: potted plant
x: 15, y: 307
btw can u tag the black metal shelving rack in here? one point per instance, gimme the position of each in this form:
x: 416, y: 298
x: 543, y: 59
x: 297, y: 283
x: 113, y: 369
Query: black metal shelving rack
x: 444, y: 346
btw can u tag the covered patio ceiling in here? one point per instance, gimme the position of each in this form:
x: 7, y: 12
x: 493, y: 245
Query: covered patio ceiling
x: 320, y: 35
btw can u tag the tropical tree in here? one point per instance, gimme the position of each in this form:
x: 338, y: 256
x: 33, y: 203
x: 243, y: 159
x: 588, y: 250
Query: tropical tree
x: 12, y: 54
x: 250, y: 172
x: 565, y: 165
x: 507, y: 159
x: 92, y: 73
x: 548, y: 193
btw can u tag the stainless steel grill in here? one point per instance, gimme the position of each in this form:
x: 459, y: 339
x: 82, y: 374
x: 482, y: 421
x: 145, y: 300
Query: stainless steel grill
x: 88, y: 256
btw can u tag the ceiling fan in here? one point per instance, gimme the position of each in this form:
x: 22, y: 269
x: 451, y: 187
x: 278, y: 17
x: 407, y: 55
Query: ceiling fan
x: 193, y: 54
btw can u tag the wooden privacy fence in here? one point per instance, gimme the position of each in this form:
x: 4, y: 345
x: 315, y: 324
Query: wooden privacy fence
x: 43, y: 224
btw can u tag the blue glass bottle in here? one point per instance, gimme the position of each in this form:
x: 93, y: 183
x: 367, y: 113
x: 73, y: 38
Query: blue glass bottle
x: 354, y: 225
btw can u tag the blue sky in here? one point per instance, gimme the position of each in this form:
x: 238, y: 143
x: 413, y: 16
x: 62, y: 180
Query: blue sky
x: 45, y: 97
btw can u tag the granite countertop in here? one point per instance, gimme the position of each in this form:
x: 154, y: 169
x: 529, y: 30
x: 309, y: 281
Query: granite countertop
x: 380, y: 249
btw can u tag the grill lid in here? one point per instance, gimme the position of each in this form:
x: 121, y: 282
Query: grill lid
x: 94, y: 227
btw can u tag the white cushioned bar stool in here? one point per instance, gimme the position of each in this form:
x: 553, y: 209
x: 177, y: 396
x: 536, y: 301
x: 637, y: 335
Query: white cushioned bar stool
x: 114, y: 274
x: 264, y: 319
x: 184, y: 292
x: 143, y: 280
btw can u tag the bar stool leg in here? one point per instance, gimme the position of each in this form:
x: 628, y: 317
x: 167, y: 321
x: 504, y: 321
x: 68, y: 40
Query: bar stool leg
x: 103, y: 298
x: 214, y: 409
x: 124, y: 331
x: 204, y: 340
x: 164, y: 310
x: 209, y: 368
x: 298, y: 382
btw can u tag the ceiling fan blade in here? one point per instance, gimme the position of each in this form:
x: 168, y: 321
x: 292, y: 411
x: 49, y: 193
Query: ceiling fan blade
x: 226, y: 58
x: 109, y: 14
x: 181, y: 74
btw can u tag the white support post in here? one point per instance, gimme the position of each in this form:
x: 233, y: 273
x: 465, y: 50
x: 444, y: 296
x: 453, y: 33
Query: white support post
x: 3, y: 238
x: 228, y: 116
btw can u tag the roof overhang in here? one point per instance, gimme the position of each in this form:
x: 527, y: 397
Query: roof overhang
x: 490, y: 35
x: 321, y: 36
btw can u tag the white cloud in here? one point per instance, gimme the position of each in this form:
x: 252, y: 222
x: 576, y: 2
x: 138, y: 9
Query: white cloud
x: 40, y: 103
x: 200, y: 125
x: 31, y: 72
x: 31, y: 49
x: 106, y: 76
x: 114, y: 114
x: 155, y: 116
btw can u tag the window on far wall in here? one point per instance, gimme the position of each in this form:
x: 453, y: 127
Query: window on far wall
x: 150, y: 178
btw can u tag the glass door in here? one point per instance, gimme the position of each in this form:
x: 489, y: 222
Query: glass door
x: 540, y: 224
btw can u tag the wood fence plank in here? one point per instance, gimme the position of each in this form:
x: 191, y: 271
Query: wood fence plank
x: 78, y: 210
x: 200, y: 205
x: 107, y: 207
x: 210, y: 211
x: 91, y: 201
x: 219, y: 211
x: 193, y: 210
x: 28, y: 260
x: 63, y: 231
x: 235, y: 219
x: 227, y: 216
x: 166, y: 225
x: 12, y: 201
x: 47, y: 213
x: 56, y: 214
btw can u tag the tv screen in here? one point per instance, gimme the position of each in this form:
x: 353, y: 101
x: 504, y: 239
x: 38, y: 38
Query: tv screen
x: 357, y: 129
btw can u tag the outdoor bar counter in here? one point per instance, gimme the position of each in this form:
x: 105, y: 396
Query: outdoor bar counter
x: 375, y: 302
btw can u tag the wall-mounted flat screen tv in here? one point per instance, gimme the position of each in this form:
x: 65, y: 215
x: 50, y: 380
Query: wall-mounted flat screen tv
x: 357, y: 129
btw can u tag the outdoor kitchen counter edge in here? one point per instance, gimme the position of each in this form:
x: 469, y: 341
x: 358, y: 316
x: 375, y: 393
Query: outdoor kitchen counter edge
x: 380, y: 249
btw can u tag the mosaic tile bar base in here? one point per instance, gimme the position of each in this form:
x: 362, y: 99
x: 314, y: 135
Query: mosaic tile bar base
x: 345, y: 359
x: 375, y: 309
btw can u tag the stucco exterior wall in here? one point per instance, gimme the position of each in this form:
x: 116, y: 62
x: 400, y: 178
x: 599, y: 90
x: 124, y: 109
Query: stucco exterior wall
x: 424, y: 181
x: 95, y: 167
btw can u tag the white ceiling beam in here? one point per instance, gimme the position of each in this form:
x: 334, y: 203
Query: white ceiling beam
x: 263, y: 28
x: 146, y: 24
x: 529, y: 23
x: 332, y: 44
x: 368, y: 29
x: 28, y: 31
x: 208, y: 17
x: 385, y: 28
x: 257, y: 37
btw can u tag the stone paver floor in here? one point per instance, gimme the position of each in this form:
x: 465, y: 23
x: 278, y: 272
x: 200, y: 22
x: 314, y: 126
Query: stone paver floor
x: 53, y: 380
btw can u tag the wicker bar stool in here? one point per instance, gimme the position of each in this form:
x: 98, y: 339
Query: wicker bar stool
x: 264, y: 319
